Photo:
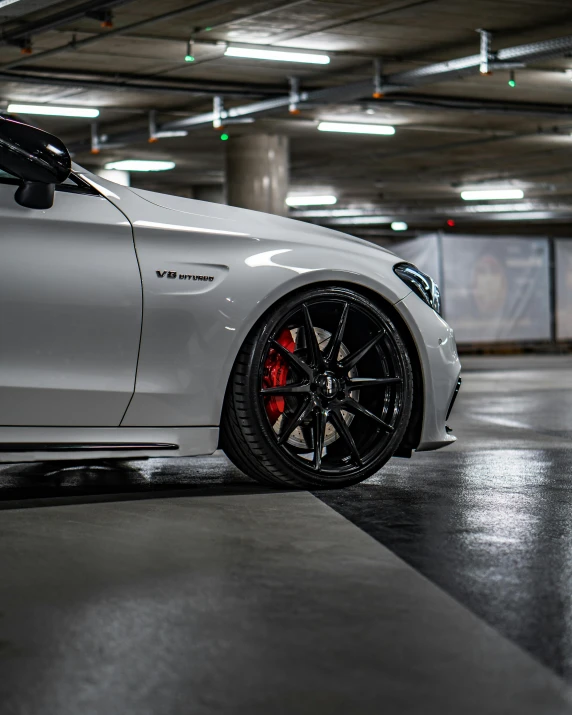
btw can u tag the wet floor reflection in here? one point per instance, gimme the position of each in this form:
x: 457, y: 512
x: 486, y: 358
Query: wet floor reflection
x: 494, y: 529
x: 37, y: 483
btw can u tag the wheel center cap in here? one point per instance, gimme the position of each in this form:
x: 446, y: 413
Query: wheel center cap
x: 328, y: 385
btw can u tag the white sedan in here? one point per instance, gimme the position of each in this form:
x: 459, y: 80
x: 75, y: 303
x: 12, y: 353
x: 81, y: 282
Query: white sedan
x: 135, y: 324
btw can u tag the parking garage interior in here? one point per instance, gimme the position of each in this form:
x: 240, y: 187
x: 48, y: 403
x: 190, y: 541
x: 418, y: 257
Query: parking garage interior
x: 440, y: 130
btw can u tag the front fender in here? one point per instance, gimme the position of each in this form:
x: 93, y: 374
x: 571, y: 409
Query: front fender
x: 193, y: 330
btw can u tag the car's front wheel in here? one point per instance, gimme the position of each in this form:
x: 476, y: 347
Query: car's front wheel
x: 320, y: 394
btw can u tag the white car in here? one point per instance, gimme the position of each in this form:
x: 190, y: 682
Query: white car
x: 135, y: 324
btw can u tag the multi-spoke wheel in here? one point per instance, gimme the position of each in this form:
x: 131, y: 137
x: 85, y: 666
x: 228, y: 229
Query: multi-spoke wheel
x: 321, y: 393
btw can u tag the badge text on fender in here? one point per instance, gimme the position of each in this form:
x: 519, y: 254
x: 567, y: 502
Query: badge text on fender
x: 183, y: 276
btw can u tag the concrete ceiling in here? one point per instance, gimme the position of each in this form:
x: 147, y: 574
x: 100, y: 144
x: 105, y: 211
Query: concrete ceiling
x: 461, y: 132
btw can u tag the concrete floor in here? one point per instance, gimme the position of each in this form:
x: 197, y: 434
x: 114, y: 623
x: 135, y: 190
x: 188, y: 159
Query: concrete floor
x: 180, y: 587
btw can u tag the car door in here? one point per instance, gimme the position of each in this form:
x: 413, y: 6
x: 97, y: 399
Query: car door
x: 70, y: 310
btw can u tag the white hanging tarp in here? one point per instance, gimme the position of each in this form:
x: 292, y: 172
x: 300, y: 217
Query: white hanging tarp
x: 563, y: 260
x: 496, y: 289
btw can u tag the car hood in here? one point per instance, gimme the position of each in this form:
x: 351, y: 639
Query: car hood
x: 302, y: 248
x: 231, y: 220
x: 255, y: 222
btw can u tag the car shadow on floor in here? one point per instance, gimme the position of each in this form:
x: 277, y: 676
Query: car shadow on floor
x: 55, y: 483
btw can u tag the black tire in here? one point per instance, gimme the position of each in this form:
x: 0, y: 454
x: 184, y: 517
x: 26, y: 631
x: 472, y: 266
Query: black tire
x: 307, y: 362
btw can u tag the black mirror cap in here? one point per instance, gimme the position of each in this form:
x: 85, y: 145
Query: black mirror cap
x: 31, y: 154
x: 35, y: 195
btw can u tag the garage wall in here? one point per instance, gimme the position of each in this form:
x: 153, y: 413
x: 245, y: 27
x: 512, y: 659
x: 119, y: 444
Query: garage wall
x: 494, y: 289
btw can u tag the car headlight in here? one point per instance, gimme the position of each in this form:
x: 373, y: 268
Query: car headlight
x: 420, y: 283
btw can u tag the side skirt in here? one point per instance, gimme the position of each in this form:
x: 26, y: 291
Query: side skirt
x: 39, y: 444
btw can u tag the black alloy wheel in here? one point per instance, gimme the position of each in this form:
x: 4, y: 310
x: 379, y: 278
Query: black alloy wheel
x: 320, y: 394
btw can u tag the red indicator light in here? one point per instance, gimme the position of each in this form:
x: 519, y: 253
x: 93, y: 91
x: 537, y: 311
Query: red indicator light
x: 450, y: 223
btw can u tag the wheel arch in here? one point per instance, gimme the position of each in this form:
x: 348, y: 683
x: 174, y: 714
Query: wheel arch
x: 412, y: 436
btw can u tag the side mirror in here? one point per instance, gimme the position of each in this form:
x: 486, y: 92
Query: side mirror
x: 40, y: 160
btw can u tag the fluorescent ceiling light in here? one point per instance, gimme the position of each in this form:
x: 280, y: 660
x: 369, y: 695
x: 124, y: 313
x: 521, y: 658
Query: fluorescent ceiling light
x: 171, y: 134
x: 277, y: 55
x: 359, y: 221
x: 311, y: 200
x: 53, y: 111
x: 399, y: 226
x: 3, y: 3
x: 492, y: 194
x: 356, y: 128
x: 140, y: 165
x: 325, y: 213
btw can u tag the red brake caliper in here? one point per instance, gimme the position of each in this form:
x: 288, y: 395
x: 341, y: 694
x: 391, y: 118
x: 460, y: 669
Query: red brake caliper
x: 276, y: 374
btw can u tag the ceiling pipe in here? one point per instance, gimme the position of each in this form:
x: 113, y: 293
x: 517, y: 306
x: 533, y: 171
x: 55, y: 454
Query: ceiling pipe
x: 77, y: 44
x: 486, y: 55
x: 63, y: 78
x: 547, y: 49
x: 478, y: 106
x: 51, y: 22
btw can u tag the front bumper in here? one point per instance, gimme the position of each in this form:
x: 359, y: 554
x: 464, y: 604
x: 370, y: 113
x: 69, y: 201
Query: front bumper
x: 440, y: 365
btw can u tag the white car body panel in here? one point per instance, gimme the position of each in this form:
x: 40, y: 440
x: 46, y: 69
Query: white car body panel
x: 192, y: 329
x: 70, y: 316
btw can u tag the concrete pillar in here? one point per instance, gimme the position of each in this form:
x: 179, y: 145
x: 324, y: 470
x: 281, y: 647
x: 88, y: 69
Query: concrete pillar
x: 257, y: 172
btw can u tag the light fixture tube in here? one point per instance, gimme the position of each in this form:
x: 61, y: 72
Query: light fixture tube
x: 170, y: 134
x: 87, y: 112
x: 277, y: 55
x: 492, y: 194
x: 140, y: 165
x: 311, y: 200
x: 356, y: 128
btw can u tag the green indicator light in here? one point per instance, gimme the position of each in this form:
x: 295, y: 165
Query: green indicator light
x: 208, y: 29
x: 511, y: 83
x: 189, y: 58
x: 224, y: 137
